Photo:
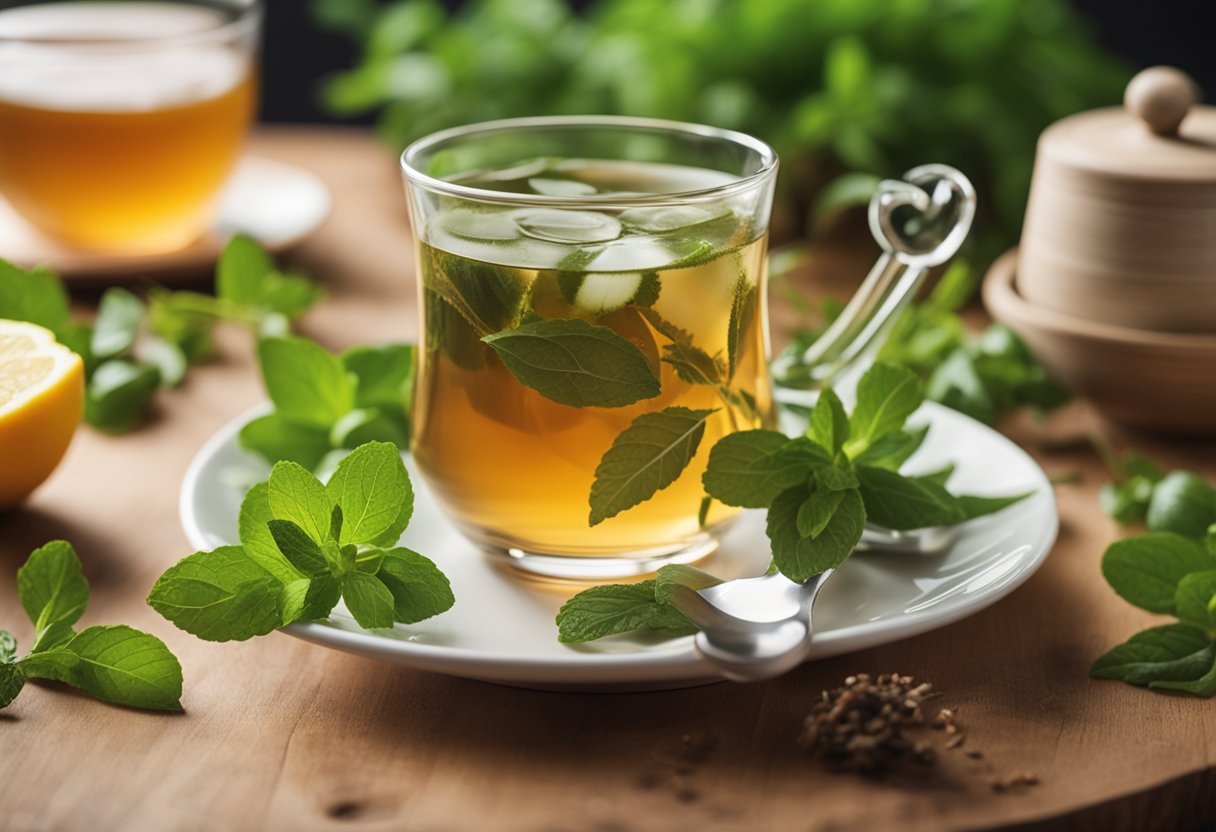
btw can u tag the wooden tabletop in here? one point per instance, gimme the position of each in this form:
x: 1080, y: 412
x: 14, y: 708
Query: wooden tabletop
x: 280, y: 734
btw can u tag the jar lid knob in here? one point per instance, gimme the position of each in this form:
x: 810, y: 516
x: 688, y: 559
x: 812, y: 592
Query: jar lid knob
x: 1160, y: 96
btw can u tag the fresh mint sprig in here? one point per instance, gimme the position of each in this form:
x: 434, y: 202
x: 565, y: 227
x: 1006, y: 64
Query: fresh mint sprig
x: 1171, y: 570
x: 327, y: 404
x: 113, y: 663
x: 820, y: 489
x: 134, y: 348
x: 304, y: 546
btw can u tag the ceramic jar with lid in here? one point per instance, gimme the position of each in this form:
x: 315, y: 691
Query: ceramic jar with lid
x: 1121, y: 223
x: 1113, y: 286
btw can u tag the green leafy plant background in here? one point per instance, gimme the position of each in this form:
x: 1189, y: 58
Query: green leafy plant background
x: 838, y: 87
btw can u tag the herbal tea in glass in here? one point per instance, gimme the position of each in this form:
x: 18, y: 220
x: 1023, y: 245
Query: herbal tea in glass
x: 120, y: 121
x: 566, y: 297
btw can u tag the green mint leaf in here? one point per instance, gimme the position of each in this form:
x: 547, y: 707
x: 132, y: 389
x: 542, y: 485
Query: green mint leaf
x: 117, y: 326
x: 12, y: 680
x: 703, y: 512
x: 370, y: 602
x: 363, y: 425
x: 618, y: 608
x: 1195, y: 599
x: 313, y: 600
x: 300, y: 549
x: 52, y: 587
x: 894, y: 449
x: 56, y: 635
x: 168, y: 359
x: 648, y: 456
x: 1174, y: 652
x: 369, y: 559
x: 817, y: 511
x: 335, y: 524
x: 829, y: 424
x: 673, y: 575
x: 242, y: 266
x: 1138, y: 465
x: 8, y: 646
x: 974, y: 506
x: 285, y: 297
x: 221, y: 595
x: 1183, y: 503
x: 36, y: 296
x: 116, y: 664
x: 1146, y: 570
x: 256, y: 539
x: 942, y: 476
x: 449, y: 333
x: 489, y: 298
x: 419, y: 589
x: 1204, y: 686
x: 575, y: 363
x: 692, y: 364
x: 275, y: 438
x: 958, y: 384
x: 901, y: 503
x: 296, y: 495
x: 839, y: 476
x: 1127, y: 502
x: 886, y: 396
x: 373, y: 490
x: 307, y: 384
x: 383, y: 375
x: 118, y: 391
x: 750, y: 468
x: 799, y: 557
x: 742, y: 310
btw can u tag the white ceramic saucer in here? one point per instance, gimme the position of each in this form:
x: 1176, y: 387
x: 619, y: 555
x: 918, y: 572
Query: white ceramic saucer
x: 501, y: 628
x: 278, y: 204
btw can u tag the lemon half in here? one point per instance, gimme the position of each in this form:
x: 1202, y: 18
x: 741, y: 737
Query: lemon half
x: 41, y: 402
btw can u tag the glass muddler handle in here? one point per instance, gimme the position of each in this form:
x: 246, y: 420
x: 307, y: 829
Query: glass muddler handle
x: 920, y: 222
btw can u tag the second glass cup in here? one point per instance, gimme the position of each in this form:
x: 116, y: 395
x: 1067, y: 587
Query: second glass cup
x: 587, y: 284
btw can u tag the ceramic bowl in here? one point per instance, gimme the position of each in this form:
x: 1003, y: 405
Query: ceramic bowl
x: 1154, y: 380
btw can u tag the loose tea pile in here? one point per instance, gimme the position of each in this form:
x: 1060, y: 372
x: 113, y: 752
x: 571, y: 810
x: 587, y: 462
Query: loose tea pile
x: 860, y: 727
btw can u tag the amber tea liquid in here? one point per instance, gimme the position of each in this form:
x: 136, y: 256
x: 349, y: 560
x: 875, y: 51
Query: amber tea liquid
x: 515, y: 468
x: 109, y: 142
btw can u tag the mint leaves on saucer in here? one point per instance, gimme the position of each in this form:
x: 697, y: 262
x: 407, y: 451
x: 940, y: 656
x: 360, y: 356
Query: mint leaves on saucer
x: 114, y: 663
x: 326, y: 404
x: 820, y: 490
x: 304, y: 546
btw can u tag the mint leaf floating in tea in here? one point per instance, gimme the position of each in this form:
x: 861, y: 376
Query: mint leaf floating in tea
x: 576, y: 363
x: 305, y: 545
x: 646, y: 458
x: 113, y: 663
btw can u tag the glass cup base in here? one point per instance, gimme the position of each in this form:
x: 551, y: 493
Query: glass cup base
x: 583, y: 569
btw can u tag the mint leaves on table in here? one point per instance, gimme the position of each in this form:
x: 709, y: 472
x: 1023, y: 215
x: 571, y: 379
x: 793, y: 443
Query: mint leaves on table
x: 134, y: 348
x: 114, y: 663
x: 304, y: 546
x: 1166, y: 573
x: 326, y: 404
x: 820, y: 490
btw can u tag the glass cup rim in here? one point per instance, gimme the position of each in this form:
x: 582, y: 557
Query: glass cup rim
x: 243, y: 11
x: 767, y: 168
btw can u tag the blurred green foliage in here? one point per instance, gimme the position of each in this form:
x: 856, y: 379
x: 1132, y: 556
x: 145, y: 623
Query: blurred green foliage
x: 870, y: 86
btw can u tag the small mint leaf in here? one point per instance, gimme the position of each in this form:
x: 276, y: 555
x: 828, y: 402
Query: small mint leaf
x: 1174, y: 652
x: 300, y: 549
x: 308, y: 385
x: 829, y: 424
x: 373, y: 490
x: 886, y: 396
x: 367, y: 598
x: 220, y: 595
x: 419, y: 589
x: 52, y: 587
x: 12, y: 680
x: 750, y: 468
x: 1146, y: 570
x: 296, y: 495
x: 618, y: 608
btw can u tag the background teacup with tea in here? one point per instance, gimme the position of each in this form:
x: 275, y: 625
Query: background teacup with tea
x: 577, y: 275
x: 120, y: 121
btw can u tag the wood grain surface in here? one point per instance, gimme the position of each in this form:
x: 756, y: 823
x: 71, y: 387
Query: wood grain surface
x: 279, y: 734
